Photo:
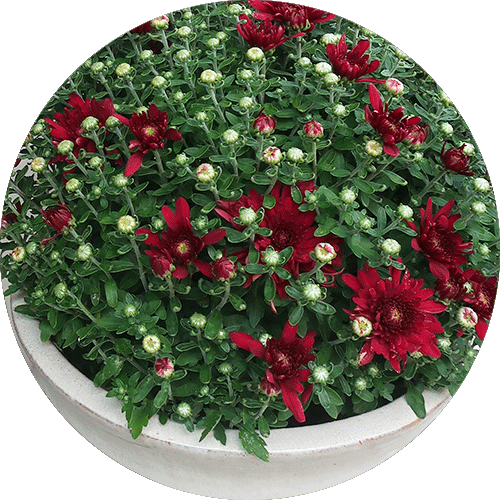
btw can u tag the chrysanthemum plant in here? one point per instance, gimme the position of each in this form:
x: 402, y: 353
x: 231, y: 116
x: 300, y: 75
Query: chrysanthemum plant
x: 254, y: 216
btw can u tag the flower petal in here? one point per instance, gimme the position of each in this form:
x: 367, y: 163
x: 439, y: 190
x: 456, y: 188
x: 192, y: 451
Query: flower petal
x: 133, y: 164
x: 245, y: 341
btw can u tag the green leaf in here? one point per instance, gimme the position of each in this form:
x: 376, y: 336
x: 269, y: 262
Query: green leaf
x: 139, y: 418
x: 255, y: 268
x: 269, y: 290
x: 162, y: 397
x: 263, y: 426
x: 214, y: 325
x: 205, y: 374
x: 296, y: 315
x: 322, y: 307
x: 253, y: 443
x: 344, y: 143
x: 211, y: 420
x: 335, y: 398
x: 416, y: 401
x: 143, y: 389
x: 46, y: 331
x: 111, y: 290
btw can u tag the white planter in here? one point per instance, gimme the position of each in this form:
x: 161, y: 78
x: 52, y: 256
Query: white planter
x: 302, y: 460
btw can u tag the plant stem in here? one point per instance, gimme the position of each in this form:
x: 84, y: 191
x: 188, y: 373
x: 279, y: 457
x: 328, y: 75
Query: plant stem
x: 142, y: 275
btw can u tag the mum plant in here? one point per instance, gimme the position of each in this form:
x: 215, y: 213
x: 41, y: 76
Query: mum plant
x: 252, y: 216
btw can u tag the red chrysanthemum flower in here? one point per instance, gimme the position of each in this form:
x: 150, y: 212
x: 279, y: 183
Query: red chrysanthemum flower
x: 402, y: 314
x: 10, y: 218
x: 228, y: 210
x: 353, y: 64
x: 456, y: 160
x: 58, y: 218
x: 266, y: 36
x: 482, y: 298
x: 286, y: 358
x: 150, y: 130
x: 67, y: 125
x: 437, y: 239
x: 452, y: 288
x: 417, y: 134
x: 264, y: 124
x: 298, y: 17
x: 393, y: 127
x: 178, y: 244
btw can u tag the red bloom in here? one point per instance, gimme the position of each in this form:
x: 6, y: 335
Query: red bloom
x: 67, y: 125
x: 179, y: 245
x: 453, y: 287
x: 482, y: 299
x: 354, y: 64
x: 313, y: 130
x: 267, y: 35
x: 58, y: 218
x: 442, y: 246
x: 456, y: 160
x: 401, y: 313
x: 299, y: 17
x: 286, y: 357
x: 392, y: 127
x: 417, y: 134
x: 150, y: 130
x: 223, y: 268
x: 228, y: 210
x: 264, y: 124
x: 8, y: 219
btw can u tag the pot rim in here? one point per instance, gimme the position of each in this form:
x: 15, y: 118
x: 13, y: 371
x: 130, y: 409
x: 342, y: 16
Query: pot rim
x: 310, y: 439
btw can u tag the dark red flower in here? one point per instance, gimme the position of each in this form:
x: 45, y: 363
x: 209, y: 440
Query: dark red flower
x: 228, y: 210
x: 452, y: 288
x: 352, y: 64
x: 437, y: 239
x: 264, y: 124
x: 150, y: 130
x: 223, y: 268
x: 161, y: 262
x: 286, y: 358
x: 67, y: 125
x: 178, y: 244
x: 417, y: 134
x: 58, y: 218
x: 298, y: 17
x: 402, y: 314
x: 266, y: 36
x: 456, y: 160
x: 393, y: 127
x: 10, y: 218
x: 482, y: 298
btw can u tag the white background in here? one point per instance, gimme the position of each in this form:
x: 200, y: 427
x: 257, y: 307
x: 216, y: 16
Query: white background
x: 42, y: 43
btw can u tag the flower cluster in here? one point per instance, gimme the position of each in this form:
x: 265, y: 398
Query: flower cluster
x: 249, y: 216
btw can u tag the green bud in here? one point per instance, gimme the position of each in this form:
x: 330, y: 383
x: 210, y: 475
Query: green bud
x: 123, y: 70
x: 60, y: 290
x: 73, y: 185
x: 130, y: 311
x: 97, y: 68
x: 112, y: 122
x: 18, y: 254
x: 184, y: 410
x: 126, y: 224
x: 90, y: 124
x: 255, y: 54
x: 198, y: 321
x: 65, y: 147
x: 158, y: 82
x: 84, y: 252
x: 38, y: 164
x: 151, y: 344
x: 320, y: 374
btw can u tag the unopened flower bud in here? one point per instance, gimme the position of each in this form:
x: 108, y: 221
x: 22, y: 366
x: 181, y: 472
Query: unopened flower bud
x: 208, y: 76
x: 158, y: 82
x: 60, y: 290
x: 325, y: 252
x: 467, y: 317
x: 365, y: 223
x: 65, y: 147
x: 151, y: 344
x: 483, y: 249
x: 320, y: 374
x: 130, y: 311
x: 160, y: 23
x: 198, y: 320
x: 97, y: 68
x: 339, y: 110
x: 247, y: 215
x: 443, y: 343
x: 84, y: 252
x: 18, y: 254
x: 142, y: 329
x: 295, y: 155
x: 322, y: 68
x: 123, y: 70
x: 205, y: 173
x: 178, y: 96
x: 348, y: 196
x: 183, y: 55
x: 31, y: 248
x: 73, y: 185
x: 246, y: 74
x: 230, y: 136
x: 373, y: 371
x: 184, y: 32
x: 330, y: 38
x: 270, y: 257
x: 362, y: 327
x: 312, y: 292
x: 201, y: 116
x: 405, y: 212
x: 264, y: 338
x: 90, y: 124
x: 394, y: 86
x: 221, y: 35
x: 164, y: 368
x: 360, y: 384
x: 446, y: 128
x: 38, y: 164
x: 120, y: 180
x: 391, y: 247
x: 373, y: 148
x: 184, y: 410
x: 481, y: 185
x: 245, y: 103
x: 54, y: 255
x: 255, y: 54
x: 112, y: 122
x: 444, y: 98
x: 225, y: 368
x: 479, y: 207
x: 213, y: 43
x: 182, y: 159
x: 272, y: 155
x: 468, y: 149
x: 313, y: 130
x: 304, y: 62
x: 146, y: 55
x: 126, y: 224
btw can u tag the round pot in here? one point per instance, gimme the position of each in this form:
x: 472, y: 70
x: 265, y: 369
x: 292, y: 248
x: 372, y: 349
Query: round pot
x: 168, y: 454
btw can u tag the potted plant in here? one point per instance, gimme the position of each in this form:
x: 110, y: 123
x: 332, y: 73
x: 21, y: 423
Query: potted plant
x: 291, y: 199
